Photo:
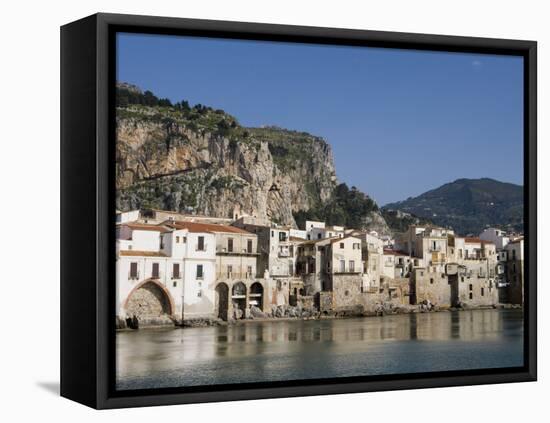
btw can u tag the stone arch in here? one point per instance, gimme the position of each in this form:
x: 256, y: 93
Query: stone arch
x: 149, y: 300
x: 256, y: 295
x: 222, y: 301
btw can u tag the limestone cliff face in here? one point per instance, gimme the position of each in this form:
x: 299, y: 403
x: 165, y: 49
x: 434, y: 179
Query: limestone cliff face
x: 171, y: 162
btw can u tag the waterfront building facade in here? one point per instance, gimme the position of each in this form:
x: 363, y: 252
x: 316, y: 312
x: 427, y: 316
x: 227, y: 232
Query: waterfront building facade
x: 187, y: 267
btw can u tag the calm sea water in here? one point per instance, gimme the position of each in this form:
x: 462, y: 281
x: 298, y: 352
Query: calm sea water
x: 293, y: 350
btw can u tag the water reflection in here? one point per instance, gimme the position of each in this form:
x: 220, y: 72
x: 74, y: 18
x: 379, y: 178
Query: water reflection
x: 264, y: 351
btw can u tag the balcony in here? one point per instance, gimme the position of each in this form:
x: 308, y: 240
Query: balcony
x: 201, y: 247
x: 176, y: 275
x: 284, y: 252
x: 234, y: 275
x: 243, y: 251
x: 350, y: 270
x: 133, y: 276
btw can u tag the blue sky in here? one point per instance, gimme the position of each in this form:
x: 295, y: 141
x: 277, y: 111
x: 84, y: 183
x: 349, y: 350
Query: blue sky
x: 400, y: 122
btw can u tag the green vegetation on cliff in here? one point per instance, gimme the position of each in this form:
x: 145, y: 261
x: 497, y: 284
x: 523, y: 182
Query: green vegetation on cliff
x: 348, y: 208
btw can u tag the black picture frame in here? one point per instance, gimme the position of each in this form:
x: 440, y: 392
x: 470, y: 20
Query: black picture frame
x: 87, y: 202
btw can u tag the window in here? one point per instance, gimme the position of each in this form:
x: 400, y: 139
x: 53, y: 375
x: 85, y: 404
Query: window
x: 352, y: 266
x: 482, y: 292
x: 342, y: 266
x: 200, y: 273
x: 341, y: 245
x: 174, y: 284
x: 229, y: 270
x: 176, y: 270
x: 184, y: 239
x: 282, y: 236
x: 133, y: 270
x: 200, y: 245
x: 431, y: 280
x: 272, y: 234
x: 177, y: 240
x: 249, y: 246
x: 319, y: 236
x: 471, y: 295
x: 155, y: 270
x: 230, y: 245
x: 471, y: 287
x: 249, y: 270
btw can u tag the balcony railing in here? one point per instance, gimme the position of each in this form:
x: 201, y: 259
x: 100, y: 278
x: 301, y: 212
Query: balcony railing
x: 201, y: 248
x: 225, y: 250
x: 134, y: 276
x: 234, y: 275
x: 284, y: 253
x: 176, y: 276
x: 347, y: 270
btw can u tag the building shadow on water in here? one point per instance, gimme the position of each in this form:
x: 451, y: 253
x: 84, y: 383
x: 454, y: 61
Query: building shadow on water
x: 51, y: 387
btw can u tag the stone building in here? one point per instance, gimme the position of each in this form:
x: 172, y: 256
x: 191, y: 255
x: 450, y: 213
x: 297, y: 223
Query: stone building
x: 472, y: 271
x: 238, y: 283
x: 372, y: 257
x: 515, y: 270
x: 343, y: 267
x: 311, y: 265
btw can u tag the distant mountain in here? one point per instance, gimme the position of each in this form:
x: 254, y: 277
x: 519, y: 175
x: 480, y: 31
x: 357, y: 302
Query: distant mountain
x: 468, y: 205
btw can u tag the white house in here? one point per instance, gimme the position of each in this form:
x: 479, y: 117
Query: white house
x: 164, y: 274
x: 496, y: 236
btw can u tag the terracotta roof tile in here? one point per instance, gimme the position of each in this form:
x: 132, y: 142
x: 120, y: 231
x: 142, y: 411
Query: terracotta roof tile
x: 136, y: 253
x: 146, y: 227
x: 206, y: 227
x: 395, y: 252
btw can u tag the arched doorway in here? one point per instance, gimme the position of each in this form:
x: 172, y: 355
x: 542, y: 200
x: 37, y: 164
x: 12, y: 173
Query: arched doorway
x: 256, y: 296
x: 238, y: 296
x: 149, y: 302
x: 222, y: 300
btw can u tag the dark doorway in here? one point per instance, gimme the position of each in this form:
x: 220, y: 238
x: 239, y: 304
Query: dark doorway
x: 256, y: 296
x: 222, y: 300
x: 238, y: 296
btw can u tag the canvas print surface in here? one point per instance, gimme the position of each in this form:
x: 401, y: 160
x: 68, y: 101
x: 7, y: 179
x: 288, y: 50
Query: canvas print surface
x: 293, y: 211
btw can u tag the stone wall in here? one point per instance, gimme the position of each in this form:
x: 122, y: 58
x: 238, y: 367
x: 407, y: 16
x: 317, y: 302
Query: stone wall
x: 515, y: 277
x: 346, y: 291
x: 431, y: 286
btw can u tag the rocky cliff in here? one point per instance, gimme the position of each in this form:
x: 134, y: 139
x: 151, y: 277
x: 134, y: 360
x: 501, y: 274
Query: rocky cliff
x: 201, y: 160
